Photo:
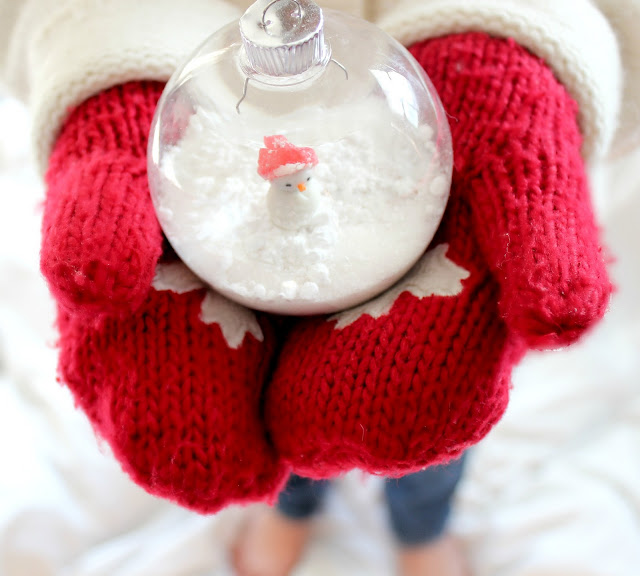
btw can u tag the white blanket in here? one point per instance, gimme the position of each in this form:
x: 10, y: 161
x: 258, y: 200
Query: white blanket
x: 553, y: 491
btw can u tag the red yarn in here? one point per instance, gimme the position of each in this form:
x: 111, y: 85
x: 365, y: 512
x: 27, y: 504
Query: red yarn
x: 518, y: 163
x: 417, y: 386
x: 183, y: 412
x: 179, y: 408
x: 100, y: 236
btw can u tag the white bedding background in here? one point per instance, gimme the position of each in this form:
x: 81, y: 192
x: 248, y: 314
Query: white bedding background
x: 553, y: 491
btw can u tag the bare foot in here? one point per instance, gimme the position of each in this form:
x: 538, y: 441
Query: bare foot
x: 269, y: 544
x: 444, y: 557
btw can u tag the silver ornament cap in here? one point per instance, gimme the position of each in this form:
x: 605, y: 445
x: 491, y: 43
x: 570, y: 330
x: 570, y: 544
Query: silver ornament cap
x: 284, y: 37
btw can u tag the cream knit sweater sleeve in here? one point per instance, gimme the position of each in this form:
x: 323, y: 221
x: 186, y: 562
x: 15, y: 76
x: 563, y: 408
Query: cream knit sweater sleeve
x: 56, y: 53
x: 574, y: 37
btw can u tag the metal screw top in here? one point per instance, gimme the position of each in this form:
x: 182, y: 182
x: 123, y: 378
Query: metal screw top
x: 284, y: 37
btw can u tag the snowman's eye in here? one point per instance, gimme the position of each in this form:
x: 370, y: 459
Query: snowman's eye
x: 308, y: 178
x: 288, y: 185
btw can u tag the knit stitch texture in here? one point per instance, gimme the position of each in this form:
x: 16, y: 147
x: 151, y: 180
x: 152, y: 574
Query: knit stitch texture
x: 204, y: 423
x: 101, y: 238
x: 179, y: 407
x: 417, y: 386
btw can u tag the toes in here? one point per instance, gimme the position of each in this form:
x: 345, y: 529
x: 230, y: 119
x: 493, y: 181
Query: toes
x: 269, y: 544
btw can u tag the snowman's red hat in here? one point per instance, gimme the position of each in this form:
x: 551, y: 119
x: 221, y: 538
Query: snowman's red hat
x: 281, y: 158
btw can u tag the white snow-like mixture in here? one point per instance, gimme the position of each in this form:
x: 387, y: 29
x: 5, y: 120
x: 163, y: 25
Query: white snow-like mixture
x: 380, y: 205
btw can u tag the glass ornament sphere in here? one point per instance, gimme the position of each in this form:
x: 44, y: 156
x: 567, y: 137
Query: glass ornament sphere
x: 300, y: 160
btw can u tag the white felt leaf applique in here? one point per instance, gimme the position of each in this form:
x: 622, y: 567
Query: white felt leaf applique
x: 175, y: 277
x: 234, y: 320
x: 433, y: 275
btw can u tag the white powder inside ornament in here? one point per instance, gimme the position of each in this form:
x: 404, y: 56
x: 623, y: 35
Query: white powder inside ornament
x: 382, y: 197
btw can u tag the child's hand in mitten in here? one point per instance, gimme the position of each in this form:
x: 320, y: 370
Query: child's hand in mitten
x: 170, y: 375
x: 420, y: 373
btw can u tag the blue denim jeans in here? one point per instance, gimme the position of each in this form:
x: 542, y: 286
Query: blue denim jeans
x: 419, y: 504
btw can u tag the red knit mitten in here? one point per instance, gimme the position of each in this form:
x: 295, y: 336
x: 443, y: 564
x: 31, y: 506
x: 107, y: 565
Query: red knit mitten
x: 170, y: 375
x: 417, y: 375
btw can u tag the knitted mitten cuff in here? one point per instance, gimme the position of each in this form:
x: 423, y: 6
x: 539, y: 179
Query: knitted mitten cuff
x: 62, y: 53
x: 591, y: 71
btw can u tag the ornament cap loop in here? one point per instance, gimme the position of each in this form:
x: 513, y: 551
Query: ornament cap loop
x: 284, y: 37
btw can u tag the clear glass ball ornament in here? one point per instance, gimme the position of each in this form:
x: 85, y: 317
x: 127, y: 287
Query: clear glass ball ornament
x: 300, y: 160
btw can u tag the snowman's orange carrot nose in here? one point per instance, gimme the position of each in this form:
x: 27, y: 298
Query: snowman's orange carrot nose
x: 301, y: 187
